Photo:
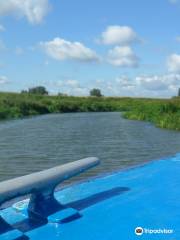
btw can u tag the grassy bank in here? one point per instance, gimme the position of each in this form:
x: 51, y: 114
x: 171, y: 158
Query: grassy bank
x: 162, y: 112
x: 14, y: 105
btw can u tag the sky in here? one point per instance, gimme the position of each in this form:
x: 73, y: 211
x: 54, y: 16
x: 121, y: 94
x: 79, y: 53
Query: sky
x: 123, y: 47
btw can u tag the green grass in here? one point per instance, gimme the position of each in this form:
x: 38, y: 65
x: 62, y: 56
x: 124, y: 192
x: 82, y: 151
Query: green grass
x: 14, y: 105
x: 163, y: 113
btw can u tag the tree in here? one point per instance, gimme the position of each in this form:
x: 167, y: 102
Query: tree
x: 40, y: 90
x: 95, y: 92
x: 179, y: 92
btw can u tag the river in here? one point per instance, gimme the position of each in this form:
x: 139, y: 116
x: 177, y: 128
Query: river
x: 38, y: 143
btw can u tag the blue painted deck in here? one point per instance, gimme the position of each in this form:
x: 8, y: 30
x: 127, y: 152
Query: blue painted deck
x: 111, y: 207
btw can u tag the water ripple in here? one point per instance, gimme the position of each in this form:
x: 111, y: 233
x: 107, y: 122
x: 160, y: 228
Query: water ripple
x: 38, y: 143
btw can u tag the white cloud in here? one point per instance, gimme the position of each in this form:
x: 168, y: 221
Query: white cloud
x: 142, y: 86
x: 72, y: 87
x: 118, y: 35
x: 61, y: 49
x: 173, y: 1
x: 124, y: 82
x: 79, y: 91
x: 158, y: 86
x: 2, y: 28
x: 120, y: 86
x: 123, y: 57
x: 3, y: 80
x: 68, y: 83
x: 154, y: 83
x: 122, y: 54
x: 33, y: 10
x: 72, y: 83
x: 173, y: 63
x: 165, y: 85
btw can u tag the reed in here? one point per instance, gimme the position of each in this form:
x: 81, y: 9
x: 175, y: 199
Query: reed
x: 164, y: 113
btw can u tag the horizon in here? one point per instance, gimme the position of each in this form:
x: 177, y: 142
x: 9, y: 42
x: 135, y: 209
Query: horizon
x: 85, y: 96
x: 124, y: 48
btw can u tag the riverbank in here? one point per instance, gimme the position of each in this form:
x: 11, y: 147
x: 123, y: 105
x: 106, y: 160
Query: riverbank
x: 14, y: 105
x: 164, y: 113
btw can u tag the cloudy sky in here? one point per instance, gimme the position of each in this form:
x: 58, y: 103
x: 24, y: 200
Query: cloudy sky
x: 123, y: 47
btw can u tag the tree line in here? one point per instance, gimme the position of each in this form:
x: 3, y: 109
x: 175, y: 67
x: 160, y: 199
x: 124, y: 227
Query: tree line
x: 41, y: 90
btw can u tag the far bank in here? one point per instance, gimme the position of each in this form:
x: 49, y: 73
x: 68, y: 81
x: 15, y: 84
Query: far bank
x: 164, y: 113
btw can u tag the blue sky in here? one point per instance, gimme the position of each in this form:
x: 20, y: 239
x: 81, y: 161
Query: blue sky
x: 123, y: 47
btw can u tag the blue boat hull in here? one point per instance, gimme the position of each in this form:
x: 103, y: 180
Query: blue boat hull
x: 112, y: 207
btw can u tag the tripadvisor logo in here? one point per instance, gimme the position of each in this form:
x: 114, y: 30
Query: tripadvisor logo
x: 139, y: 231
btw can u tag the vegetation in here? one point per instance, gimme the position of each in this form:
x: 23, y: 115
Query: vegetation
x: 95, y: 92
x: 14, y: 105
x: 164, y: 113
x: 39, y: 90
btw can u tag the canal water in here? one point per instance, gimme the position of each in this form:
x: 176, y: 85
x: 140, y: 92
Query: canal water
x: 38, y: 143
